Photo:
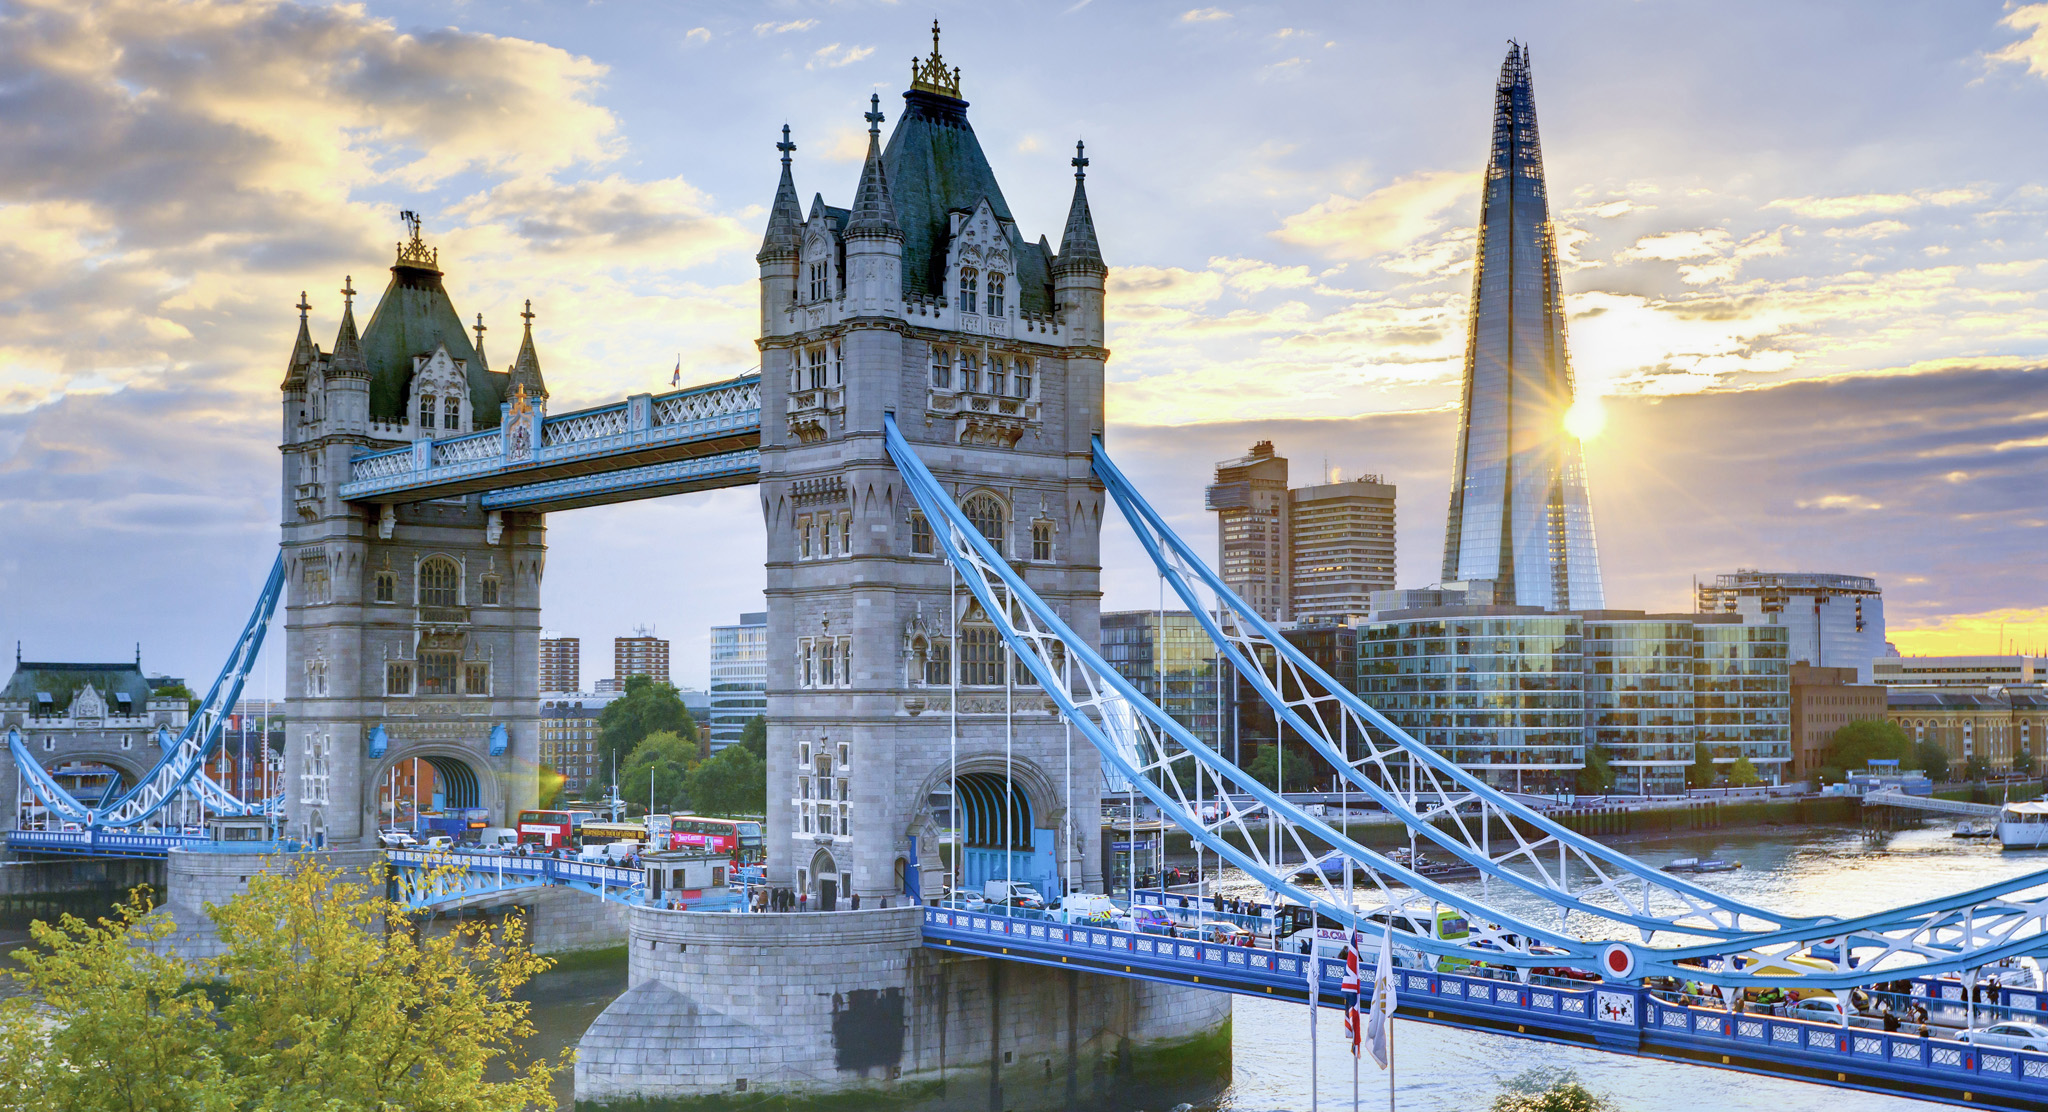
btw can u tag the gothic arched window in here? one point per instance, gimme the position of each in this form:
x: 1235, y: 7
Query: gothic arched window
x: 985, y: 512
x: 440, y: 582
x: 968, y: 288
x: 981, y: 655
x: 995, y: 295
x: 451, y: 414
x: 427, y: 411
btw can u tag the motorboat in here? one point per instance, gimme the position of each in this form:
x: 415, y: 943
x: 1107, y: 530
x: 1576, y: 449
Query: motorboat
x: 2023, y: 825
x: 1968, y: 829
x: 1698, y: 865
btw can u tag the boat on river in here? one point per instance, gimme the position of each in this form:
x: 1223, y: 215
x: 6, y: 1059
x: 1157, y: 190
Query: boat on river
x: 2023, y: 825
x: 1697, y: 865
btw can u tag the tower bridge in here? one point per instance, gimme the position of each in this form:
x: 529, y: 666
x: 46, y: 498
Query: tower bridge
x: 927, y: 438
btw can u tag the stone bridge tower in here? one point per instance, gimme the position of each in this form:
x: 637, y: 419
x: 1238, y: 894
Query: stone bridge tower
x: 923, y: 300
x: 411, y: 630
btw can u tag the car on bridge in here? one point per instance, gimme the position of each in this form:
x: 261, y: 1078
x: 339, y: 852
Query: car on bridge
x: 2015, y: 1033
x: 396, y: 839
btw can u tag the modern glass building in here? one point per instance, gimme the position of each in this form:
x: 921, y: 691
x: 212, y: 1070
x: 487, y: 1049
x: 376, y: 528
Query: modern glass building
x: 1499, y: 690
x: 739, y: 677
x: 1519, y: 513
x: 1639, y: 697
x: 1742, y: 694
x: 1833, y: 621
x: 1175, y: 669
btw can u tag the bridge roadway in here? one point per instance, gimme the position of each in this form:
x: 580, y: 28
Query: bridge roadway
x: 1622, y: 1018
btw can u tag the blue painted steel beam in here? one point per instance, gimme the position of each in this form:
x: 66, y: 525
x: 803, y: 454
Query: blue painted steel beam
x: 714, y: 472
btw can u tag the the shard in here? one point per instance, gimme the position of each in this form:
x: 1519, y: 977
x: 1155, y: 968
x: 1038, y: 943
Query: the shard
x: 1519, y: 512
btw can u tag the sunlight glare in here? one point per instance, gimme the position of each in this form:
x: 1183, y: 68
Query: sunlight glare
x: 1586, y: 418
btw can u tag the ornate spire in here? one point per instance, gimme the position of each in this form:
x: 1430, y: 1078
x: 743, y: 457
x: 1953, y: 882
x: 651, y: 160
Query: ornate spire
x: 874, y: 214
x: 784, y: 238
x: 348, y: 361
x: 930, y: 75
x: 526, y: 367
x: 1078, y: 247
x: 413, y: 251
x: 303, y: 351
x: 482, y: 364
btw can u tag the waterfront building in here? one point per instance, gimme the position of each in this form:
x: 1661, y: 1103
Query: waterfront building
x: 1959, y: 671
x: 92, y: 724
x: 642, y: 654
x: 1833, y: 621
x: 1519, y: 512
x: 1518, y: 693
x: 1249, y: 498
x: 1825, y: 700
x: 1253, y: 725
x: 1307, y: 554
x: 739, y: 678
x: 561, y: 664
x: 1988, y: 722
x: 1168, y: 658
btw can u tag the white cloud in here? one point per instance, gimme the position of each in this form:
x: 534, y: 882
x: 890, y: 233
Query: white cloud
x: 698, y: 34
x: 834, y: 55
x: 1673, y: 246
x: 1385, y: 221
x: 773, y: 28
x: 1204, y: 15
x: 2031, y: 51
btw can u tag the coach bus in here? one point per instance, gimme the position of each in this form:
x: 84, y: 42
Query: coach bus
x: 739, y: 839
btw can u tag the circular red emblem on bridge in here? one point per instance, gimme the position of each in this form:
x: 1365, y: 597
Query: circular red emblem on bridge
x: 1618, y: 962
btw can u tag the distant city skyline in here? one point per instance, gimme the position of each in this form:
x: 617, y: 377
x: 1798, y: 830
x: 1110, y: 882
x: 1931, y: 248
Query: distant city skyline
x: 1809, y: 306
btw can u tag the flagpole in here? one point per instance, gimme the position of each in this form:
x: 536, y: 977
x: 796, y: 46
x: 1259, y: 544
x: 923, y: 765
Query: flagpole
x: 1315, y: 987
x: 1390, y: 1062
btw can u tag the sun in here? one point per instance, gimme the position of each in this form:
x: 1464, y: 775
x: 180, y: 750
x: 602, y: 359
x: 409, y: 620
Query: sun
x: 1586, y: 418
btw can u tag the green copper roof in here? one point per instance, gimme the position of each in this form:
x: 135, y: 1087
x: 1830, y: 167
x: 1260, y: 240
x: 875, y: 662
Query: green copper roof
x: 62, y: 681
x: 412, y: 317
x: 935, y: 167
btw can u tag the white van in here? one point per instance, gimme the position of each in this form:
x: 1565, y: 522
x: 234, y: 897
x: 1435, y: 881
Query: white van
x: 497, y: 840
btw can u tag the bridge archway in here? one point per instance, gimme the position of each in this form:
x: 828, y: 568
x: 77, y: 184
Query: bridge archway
x: 425, y: 779
x: 1008, y: 823
x: 85, y: 772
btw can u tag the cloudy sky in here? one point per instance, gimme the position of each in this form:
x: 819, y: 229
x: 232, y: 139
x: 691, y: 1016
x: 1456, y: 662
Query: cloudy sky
x: 1806, y: 254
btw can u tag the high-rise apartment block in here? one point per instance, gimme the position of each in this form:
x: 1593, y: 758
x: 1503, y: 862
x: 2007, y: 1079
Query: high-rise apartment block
x: 739, y: 677
x: 1309, y: 554
x: 642, y: 654
x: 1833, y: 621
x: 1519, y: 513
x: 561, y: 664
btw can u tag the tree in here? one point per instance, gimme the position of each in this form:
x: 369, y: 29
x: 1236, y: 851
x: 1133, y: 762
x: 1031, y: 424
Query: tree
x: 1549, y: 1090
x: 1742, y: 773
x: 754, y: 735
x: 324, y: 997
x: 734, y: 782
x: 1596, y: 776
x: 1701, y: 773
x: 666, y: 758
x: 1976, y: 768
x: 1855, y: 745
x: 2023, y: 761
x: 647, y: 707
x: 1932, y: 757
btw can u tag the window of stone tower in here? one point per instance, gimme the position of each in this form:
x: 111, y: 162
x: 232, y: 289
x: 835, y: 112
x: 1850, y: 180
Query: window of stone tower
x: 387, y: 587
x: 846, y: 534
x: 1041, y: 540
x: 942, y: 368
x: 920, y: 534
x: 476, y: 677
x: 985, y: 512
x: 995, y: 295
x: 838, y: 367
x: 997, y: 381
x: 938, y: 664
x: 846, y: 662
x: 817, y: 357
x: 427, y: 411
x: 440, y: 583
x: 970, y: 294
x: 819, y: 281
x: 489, y: 590
x: 803, y: 537
x: 981, y: 656
x: 1023, y: 376
x: 451, y: 414
x: 398, y: 678
x: 437, y: 672
x: 827, y: 661
x: 804, y: 661
x: 824, y: 534
x: 970, y: 373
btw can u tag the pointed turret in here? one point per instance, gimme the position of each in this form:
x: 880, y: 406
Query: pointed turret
x: 303, y: 351
x: 348, y: 361
x: 526, y: 366
x: 482, y: 364
x: 783, y: 239
x: 1078, y: 247
x: 874, y: 214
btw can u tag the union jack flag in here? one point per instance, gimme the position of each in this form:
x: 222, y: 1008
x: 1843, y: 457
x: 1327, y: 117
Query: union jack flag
x: 1353, y: 1019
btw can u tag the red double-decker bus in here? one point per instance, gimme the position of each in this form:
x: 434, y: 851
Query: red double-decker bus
x: 738, y: 839
x: 552, y: 829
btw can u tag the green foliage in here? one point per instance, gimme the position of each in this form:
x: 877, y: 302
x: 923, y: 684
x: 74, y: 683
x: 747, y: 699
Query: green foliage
x: 1742, y: 773
x: 666, y: 759
x: 325, y: 998
x: 1976, y: 768
x: 1701, y: 773
x: 1301, y: 769
x: 1549, y: 1089
x: 1596, y: 776
x: 1855, y: 745
x: 754, y: 735
x: 734, y: 782
x: 1931, y: 757
x: 2023, y: 761
x: 646, y: 708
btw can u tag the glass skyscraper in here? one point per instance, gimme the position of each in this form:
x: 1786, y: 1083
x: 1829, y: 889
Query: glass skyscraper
x: 739, y: 677
x: 1519, y: 514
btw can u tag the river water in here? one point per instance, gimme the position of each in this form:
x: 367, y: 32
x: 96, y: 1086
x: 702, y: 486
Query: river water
x: 1828, y: 870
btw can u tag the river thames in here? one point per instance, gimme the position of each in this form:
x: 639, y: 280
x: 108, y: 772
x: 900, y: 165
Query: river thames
x: 1828, y: 870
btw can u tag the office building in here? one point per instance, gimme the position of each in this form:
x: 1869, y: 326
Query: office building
x: 739, y: 677
x: 1958, y: 671
x: 1995, y: 723
x: 1519, y: 512
x: 1518, y: 693
x: 1308, y: 554
x: 642, y: 654
x: 1833, y: 621
x: 561, y: 666
x: 1170, y: 661
x: 1825, y: 700
x: 568, y: 742
x: 1253, y: 725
